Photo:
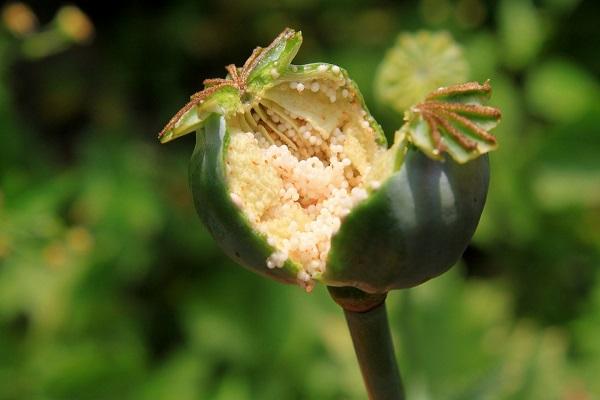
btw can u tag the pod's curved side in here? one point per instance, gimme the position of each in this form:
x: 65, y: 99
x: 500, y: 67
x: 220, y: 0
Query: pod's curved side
x: 223, y: 218
x: 415, y: 227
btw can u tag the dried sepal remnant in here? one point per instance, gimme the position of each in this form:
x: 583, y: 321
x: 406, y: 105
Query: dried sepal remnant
x: 211, y: 86
x: 452, y: 120
x: 237, y: 79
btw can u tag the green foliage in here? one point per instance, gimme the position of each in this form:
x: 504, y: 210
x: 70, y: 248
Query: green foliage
x: 110, y: 287
x: 521, y: 32
x: 459, y: 341
x: 561, y: 91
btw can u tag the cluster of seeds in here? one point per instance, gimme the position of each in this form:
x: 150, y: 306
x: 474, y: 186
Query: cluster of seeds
x: 296, y: 182
x: 332, y: 89
x: 332, y: 92
x: 311, y: 199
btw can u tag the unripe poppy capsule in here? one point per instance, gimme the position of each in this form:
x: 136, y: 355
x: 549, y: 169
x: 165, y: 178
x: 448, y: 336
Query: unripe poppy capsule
x: 294, y: 178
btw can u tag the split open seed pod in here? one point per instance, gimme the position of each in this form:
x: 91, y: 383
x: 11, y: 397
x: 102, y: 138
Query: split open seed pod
x: 295, y: 180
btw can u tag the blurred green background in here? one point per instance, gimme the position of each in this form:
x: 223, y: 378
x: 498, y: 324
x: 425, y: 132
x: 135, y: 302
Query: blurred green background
x: 110, y: 288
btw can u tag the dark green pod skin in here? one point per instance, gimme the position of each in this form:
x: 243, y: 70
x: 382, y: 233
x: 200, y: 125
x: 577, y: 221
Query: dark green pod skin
x: 411, y: 229
x: 414, y: 228
x: 224, y: 220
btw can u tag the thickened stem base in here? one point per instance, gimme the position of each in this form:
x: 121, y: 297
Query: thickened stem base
x: 374, y: 349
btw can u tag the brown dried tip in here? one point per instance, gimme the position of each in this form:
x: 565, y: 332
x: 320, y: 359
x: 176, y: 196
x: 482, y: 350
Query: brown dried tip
x: 461, y: 89
x: 454, y: 112
x: 236, y: 79
x: 196, y: 98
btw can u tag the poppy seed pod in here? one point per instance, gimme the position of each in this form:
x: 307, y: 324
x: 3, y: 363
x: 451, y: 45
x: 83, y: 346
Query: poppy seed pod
x: 415, y: 65
x: 294, y: 178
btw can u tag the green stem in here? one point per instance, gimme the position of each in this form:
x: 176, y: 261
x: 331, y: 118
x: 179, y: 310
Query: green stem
x: 373, y: 345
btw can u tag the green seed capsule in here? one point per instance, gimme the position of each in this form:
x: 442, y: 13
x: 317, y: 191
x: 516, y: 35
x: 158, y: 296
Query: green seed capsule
x: 294, y: 178
x: 417, y: 64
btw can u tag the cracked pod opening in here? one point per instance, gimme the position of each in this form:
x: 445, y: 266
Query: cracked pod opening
x: 299, y: 159
x: 287, y: 155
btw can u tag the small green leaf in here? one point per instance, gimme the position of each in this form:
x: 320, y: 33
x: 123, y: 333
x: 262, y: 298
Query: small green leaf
x: 215, y: 99
x: 223, y: 96
x: 265, y: 65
